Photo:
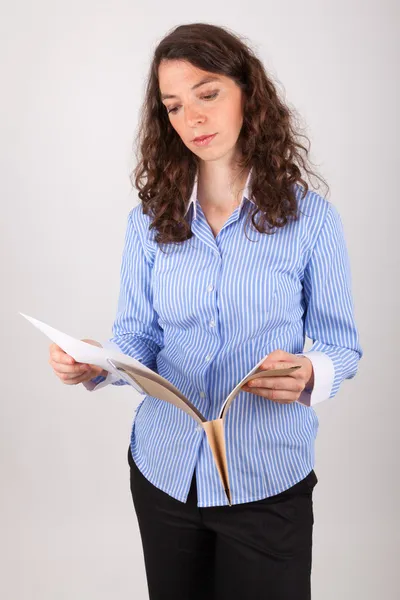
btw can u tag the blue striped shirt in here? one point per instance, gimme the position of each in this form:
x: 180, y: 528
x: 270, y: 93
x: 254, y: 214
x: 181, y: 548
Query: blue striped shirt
x: 203, y: 314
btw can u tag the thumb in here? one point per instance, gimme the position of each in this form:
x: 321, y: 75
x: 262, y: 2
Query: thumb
x: 95, y: 370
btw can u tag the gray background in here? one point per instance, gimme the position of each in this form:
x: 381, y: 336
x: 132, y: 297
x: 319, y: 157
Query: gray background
x: 72, y: 77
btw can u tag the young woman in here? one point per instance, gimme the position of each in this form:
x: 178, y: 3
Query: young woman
x: 229, y: 257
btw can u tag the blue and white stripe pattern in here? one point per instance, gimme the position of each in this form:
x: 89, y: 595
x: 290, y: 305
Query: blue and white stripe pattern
x: 203, y: 314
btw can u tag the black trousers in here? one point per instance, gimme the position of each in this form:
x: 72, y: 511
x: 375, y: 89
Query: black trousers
x: 253, y: 551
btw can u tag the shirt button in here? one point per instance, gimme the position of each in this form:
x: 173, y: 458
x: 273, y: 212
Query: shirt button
x: 202, y: 394
x: 199, y: 428
x: 208, y: 357
x: 212, y: 323
x: 210, y: 288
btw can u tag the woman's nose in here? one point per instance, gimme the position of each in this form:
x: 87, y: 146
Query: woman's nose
x: 193, y: 116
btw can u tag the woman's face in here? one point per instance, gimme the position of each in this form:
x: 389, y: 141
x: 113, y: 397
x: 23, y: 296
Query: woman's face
x: 196, y: 110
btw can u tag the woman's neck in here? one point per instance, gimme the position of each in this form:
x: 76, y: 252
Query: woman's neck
x: 220, y: 189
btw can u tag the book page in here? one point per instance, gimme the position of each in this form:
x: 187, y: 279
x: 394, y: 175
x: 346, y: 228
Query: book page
x: 84, y: 352
x: 122, y: 365
x: 151, y: 385
x: 253, y: 374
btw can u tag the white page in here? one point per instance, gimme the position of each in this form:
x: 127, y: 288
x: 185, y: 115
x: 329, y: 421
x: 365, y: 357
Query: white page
x: 83, y: 352
x: 239, y: 385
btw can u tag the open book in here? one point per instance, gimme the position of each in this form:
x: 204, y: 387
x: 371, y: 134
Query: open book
x: 149, y: 382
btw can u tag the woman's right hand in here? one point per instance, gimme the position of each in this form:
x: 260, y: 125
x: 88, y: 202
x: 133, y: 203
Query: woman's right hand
x: 69, y: 370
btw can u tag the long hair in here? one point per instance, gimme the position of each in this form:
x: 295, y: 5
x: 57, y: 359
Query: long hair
x: 268, y: 141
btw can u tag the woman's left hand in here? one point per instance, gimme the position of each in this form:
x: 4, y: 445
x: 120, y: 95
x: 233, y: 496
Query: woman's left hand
x: 285, y: 389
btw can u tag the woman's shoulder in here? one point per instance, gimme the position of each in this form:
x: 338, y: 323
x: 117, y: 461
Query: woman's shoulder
x: 140, y: 224
x: 140, y: 221
x: 313, y: 210
x: 315, y: 214
x: 312, y: 207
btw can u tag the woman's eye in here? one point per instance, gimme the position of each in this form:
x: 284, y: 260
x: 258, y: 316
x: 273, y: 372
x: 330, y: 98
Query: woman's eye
x: 208, y: 97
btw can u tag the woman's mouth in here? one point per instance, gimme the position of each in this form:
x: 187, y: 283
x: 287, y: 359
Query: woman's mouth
x: 204, y: 140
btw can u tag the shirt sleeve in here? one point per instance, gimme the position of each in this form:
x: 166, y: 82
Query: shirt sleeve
x: 329, y: 314
x: 136, y: 331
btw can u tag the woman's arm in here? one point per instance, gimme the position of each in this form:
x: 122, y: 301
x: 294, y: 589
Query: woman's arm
x: 329, y: 317
x: 136, y: 331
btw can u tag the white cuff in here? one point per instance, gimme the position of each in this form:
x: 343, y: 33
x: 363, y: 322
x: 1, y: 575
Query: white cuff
x: 91, y: 385
x: 324, y: 373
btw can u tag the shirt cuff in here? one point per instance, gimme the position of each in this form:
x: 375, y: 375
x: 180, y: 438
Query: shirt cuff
x: 324, y: 373
x: 100, y: 381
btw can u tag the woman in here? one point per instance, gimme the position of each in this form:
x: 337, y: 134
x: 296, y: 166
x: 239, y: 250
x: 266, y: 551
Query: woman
x: 228, y: 258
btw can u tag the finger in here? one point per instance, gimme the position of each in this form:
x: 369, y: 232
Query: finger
x: 56, y: 350
x: 277, y: 383
x: 59, y: 356
x: 54, y: 347
x: 281, y: 365
x: 282, y: 396
x: 64, y: 367
x: 70, y: 376
x: 65, y: 378
x: 72, y: 370
x: 278, y: 363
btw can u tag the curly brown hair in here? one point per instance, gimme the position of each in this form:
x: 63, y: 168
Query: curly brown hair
x: 268, y: 140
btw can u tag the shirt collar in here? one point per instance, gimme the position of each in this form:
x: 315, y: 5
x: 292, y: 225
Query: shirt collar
x: 193, y: 197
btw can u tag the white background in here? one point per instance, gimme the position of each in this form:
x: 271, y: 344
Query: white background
x: 72, y: 83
